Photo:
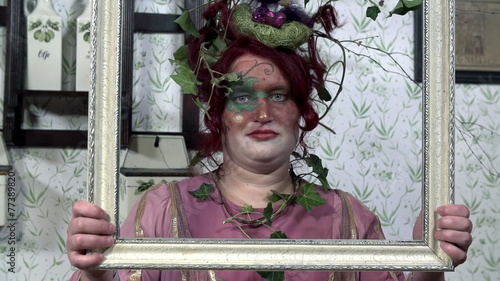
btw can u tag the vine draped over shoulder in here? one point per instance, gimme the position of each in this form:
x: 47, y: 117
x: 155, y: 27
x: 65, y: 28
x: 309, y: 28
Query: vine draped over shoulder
x: 168, y: 210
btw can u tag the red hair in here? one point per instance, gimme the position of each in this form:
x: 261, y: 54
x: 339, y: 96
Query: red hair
x: 304, y: 75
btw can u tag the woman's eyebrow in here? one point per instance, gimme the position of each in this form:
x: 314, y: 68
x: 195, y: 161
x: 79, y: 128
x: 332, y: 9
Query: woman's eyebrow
x: 279, y: 87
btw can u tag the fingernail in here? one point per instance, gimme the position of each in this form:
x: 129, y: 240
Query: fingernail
x: 111, y: 240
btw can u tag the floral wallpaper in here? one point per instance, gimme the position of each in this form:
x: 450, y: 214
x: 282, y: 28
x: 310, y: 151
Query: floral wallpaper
x: 375, y: 153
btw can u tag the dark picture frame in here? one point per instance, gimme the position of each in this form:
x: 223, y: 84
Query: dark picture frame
x: 477, y: 59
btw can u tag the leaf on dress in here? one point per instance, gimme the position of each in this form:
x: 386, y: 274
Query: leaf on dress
x: 310, y: 197
x: 203, y: 192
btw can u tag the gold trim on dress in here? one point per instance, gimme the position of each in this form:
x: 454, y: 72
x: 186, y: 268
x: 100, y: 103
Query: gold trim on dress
x: 348, y: 204
x: 348, y: 231
x: 393, y: 275
x: 175, y: 213
x: 139, y: 231
x: 136, y: 275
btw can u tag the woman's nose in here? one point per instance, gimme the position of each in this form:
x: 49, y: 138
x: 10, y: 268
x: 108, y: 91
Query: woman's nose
x: 263, y: 113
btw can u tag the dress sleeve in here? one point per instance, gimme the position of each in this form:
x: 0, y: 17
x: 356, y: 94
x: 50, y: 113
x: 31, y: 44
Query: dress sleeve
x: 369, y: 227
x: 150, y: 216
x: 367, y: 223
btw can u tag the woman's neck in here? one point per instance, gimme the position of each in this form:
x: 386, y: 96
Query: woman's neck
x: 253, y: 187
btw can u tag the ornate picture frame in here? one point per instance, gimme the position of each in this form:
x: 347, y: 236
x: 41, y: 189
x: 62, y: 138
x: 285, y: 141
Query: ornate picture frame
x: 358, y: 255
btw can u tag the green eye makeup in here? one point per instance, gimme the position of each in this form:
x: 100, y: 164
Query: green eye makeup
x: 243, y: 95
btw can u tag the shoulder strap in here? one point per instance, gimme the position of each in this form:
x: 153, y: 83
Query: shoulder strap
x: 349, y: 229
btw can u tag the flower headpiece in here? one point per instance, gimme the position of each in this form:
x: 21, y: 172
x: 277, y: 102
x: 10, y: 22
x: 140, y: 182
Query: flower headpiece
x: 279, y: 24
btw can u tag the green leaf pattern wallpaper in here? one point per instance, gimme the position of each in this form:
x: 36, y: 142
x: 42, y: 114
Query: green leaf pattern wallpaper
x: 375, y: 153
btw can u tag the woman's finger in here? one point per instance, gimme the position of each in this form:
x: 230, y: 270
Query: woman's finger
x: 86, y: 225
x: 458, y: 255
x: 85, y: 261
x: 81, y: 242
x: 454, y: 210
x: 460, y: 239
x: 456, y: 223
x: 89, y: 210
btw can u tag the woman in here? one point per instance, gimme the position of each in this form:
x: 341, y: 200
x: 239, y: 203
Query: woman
x: 257, y: 120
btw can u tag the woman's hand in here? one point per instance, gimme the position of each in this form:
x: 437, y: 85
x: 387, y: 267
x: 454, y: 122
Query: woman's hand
x: 454, y: 235
x: 88, y: 230
x: 454, y: 232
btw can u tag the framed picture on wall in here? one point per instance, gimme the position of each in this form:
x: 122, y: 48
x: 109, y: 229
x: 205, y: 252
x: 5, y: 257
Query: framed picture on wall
x: 477, y: 51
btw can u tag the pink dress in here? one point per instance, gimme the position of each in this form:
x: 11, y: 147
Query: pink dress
x: 203, y: 219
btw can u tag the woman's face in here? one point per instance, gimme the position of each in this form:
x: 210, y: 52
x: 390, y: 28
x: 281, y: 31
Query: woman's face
x: 260, y: 119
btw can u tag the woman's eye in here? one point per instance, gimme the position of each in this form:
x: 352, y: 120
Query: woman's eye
x: 278, y: 97
x: 242, y: 99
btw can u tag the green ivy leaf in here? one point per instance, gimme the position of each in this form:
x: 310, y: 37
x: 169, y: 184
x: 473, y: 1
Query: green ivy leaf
x: 186, y: 23
x: 372, y: 12
x: 268, y: 211
x: 321, y: 172
x: 232, y: 77
x: 272, y: 275
x: 203, y: 192
x: 278, y: 196
x: 184, y: 76
x: 278, y: 235
x: 310, y: 197
x: 219, y: 46
x: 229, y: 77
x: 143, y: 186
x: 313, y: 161
x: 405, y: 6
x: 216, y: 49
x: 247, y: 209
x: 181, y: 54
x: 324, y: 94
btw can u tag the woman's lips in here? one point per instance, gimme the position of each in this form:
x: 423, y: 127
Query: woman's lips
x: 263, y: 134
